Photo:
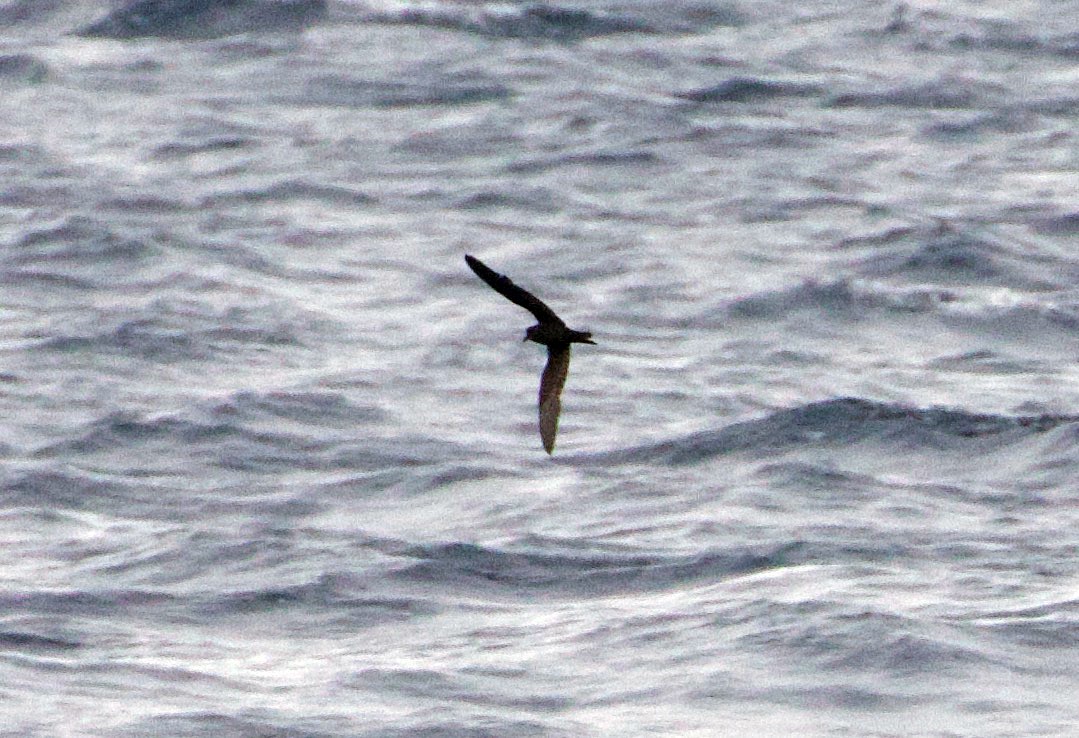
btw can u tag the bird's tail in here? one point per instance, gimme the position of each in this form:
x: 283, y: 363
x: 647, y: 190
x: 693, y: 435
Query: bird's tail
x: 582, y: 337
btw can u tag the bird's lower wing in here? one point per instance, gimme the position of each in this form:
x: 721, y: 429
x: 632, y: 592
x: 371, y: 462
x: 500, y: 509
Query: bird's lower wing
x: 550, y: 394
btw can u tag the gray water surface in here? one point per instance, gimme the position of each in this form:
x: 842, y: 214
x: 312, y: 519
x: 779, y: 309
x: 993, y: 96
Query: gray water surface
x: 270, y: 458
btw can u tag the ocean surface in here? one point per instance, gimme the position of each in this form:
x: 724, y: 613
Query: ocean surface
x: 270, y: 465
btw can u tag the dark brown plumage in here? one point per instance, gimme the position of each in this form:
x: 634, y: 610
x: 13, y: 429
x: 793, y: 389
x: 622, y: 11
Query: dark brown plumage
x: 550, y: 331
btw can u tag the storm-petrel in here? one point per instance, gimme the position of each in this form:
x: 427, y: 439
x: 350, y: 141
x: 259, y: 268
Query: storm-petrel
x: 552, y: 333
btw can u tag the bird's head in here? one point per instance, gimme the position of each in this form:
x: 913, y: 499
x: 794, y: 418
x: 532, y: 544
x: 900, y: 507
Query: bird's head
x: 532, y: 334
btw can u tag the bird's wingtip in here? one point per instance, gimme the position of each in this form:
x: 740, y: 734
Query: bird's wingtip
x: 474, y: 264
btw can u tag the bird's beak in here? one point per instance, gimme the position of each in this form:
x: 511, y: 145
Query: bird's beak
x: 523, y: 340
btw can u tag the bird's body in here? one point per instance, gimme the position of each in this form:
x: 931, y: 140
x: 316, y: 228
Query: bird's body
x: 551, y: 332
x: 556, y: 334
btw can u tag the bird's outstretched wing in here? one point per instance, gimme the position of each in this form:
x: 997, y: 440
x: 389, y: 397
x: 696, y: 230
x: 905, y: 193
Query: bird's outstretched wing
x: 550, y: 394
x: 503, y: 286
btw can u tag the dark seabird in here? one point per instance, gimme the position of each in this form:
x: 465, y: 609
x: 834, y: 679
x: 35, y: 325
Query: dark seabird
x: 552, y: 333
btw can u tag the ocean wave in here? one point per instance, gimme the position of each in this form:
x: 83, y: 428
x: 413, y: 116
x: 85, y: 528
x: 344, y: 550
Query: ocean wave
x: 210, y: 144
x: 230, y: 445
x: 23, y: 642
x: 127, y: 430
x: 984, y: 361
x: 250, y: 432
x: 629, y: 158
x: 513, y: 197
x: 341, y: 91
x: 1061, y: 225
x: 841, y: 297
x: 68, y: 488
x: 322, y: 409
x: 25, y: 68
x: 83, y: 603
x: 135, y: 338
x: 539, y: 21
x: 974, y: 126
x: 949, y: 253
x: 843, y: 422
x: 330, y: 598
x: 322, y: 426
x: 939, y: 94
x: 1052, y: 625
x: 144, y: 204
x: 748, y: 89
x: 200, y: 19
x: 1053, y: 105
x: 473, y: 687
x: 885, y: 642
x: 170, y: 331
x: 290, y: 190
x: 200, y: 723
x: 561, y: 23
x: 1024, y: 315
x: 20, y: 12
x: 225, y: 445
x: 75, y: 239
x: 579, y: 571
x: 945, y: 31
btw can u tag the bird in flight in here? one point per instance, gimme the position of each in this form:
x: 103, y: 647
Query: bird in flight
x: 552, y: 333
